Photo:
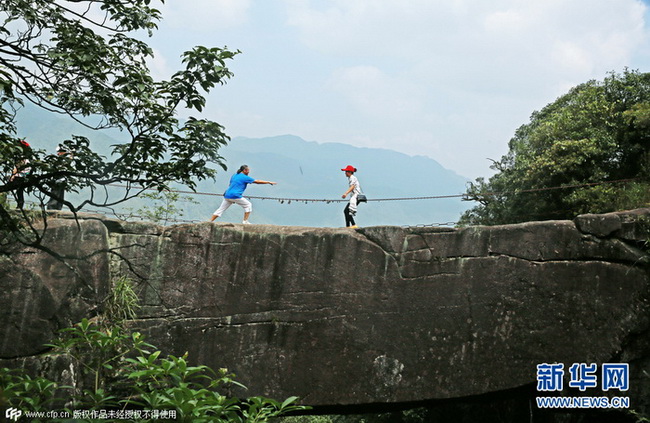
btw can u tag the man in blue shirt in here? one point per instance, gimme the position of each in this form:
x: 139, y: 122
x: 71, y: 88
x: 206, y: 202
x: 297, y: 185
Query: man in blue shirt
x: 234, y: 193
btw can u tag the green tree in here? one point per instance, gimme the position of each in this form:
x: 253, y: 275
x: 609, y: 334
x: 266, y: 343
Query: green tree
x: 595, y: 134
x: 115, y: 370
x: 85, y: 59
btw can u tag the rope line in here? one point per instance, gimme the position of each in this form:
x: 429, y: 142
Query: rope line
x: 122, y: 215
x: 466, y: 197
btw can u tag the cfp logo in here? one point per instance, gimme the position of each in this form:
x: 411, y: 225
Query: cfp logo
x: 13, y: 414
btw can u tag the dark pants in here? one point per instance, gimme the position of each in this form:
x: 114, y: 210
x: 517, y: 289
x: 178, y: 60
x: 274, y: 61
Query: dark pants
x: 19, y: 194
x: 20, y: 198
x: 349, y: 219
x: 56, y: 200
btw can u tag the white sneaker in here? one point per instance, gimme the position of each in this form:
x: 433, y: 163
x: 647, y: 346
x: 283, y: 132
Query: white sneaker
x: 246, y: 222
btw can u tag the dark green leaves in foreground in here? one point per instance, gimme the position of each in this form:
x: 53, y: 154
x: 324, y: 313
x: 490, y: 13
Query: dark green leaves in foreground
x: 117, y: 371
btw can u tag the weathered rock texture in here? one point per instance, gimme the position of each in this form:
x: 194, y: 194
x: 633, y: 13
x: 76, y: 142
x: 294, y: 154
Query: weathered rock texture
x: 382, y: 314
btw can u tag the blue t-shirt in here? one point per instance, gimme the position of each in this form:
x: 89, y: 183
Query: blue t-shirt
x: 237, y: 186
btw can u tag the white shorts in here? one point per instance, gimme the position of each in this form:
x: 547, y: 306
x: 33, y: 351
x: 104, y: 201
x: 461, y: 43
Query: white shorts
x: 227, y: 202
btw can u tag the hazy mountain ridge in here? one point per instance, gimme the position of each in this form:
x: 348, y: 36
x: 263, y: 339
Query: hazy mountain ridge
x: 303, y: 169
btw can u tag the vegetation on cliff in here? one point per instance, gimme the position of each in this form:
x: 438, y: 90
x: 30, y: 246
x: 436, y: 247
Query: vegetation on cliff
x: 117, y: 375
x: 594, y: 141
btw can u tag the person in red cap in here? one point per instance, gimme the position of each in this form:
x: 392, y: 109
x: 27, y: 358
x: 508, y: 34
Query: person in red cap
x: 354, y: 190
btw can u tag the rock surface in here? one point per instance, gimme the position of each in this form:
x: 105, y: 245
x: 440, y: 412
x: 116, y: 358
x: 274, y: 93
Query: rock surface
x: 380, y: 314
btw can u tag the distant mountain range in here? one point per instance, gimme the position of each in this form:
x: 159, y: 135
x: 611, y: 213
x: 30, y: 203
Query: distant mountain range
x: 303, y: 170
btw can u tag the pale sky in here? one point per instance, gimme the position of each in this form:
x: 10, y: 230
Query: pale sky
x: 447, y: 79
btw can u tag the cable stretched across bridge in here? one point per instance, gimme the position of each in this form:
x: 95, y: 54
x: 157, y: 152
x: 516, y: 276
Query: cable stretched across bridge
x: 464, y: 197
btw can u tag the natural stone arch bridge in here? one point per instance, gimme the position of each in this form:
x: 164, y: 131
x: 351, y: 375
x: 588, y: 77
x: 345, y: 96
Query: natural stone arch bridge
x: 354, y: 317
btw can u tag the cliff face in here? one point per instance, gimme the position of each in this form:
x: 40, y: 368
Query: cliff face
x: 381, y: 314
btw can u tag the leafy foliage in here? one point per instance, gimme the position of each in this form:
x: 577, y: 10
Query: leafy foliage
x: 170, y: 383
x: 123, y: 302
x: 598, y: 132
x: 118, y: 370
x: 162, y: 207
x: 84, y: 59
x: 25, y: 392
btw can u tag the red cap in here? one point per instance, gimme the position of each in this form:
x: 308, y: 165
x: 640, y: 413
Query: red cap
x: 350, y: 168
